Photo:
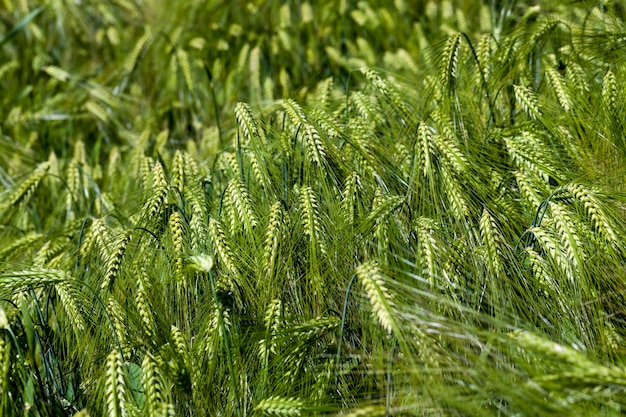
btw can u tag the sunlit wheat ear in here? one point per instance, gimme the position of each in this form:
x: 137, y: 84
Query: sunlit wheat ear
x: 24, y: 191
x: 456, y: 199
x: 372, y: 280
x: 68, y: 296
x: 551, y: 249
x: 247, y: 122
x: 240, y: 207
x: 311, y: 219
x: 610, y: 92
x: 450, y: 61
x: 570, y: 240
x: 594, y: 210
x: 493, y: 241
x: 153, y: 387
x: 527, y: 185
x: 115, y: 386
x: 386, y: 91
x: 74, y: 177
x: 313, y: 145
x: 181, y: 346
x: 527, y: 100
x: 581, y: 369
x: 541, y: 272
x: 116, y: 313
x: 154, y: 204
x: 560, y: 89
x: 113, y: 259
x: 199, y: 215
x: 424, y: 145
x: 349, y: 200
x: 178, y: 171
x: 427, y: 247
x: 13, y: 282
x: 273, y: 237
x: 143, y: 304
x: 218, y: 239
x: 177, y: 229
x: 280, y: 406
x: 273, y: 321
x: 577, y: 78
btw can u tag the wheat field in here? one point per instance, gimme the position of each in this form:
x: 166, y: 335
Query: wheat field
x: 312, y: 208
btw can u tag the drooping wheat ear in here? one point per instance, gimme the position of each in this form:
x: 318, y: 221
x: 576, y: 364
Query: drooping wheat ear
x: 178, y: 171
x: 13, y: 282
x: 181, y: 346
x: 428, y: 249
x: 527, y: 100
x: 23, y: 242
x: 115, y: 386
x: 551, y: 247
x: 576, y: 78
x: 311, y: 219
x: 312, y: 143
x: 113, y: 259
x: 350, y: 195
x: 528, y: 152
x: 582, y: 369
x: 177, y: 229
x: 386, y: 91
x: 273, y: 237
x: 280, y: 406
x: 239, y: 206
x: 247, y: 122
x: 69, y: 300
x: 323, y: 93
x: 528, y: 188
x: 483, y: 53
x: 199, y: 215
x: 117, y: 315
x: 140, y: 48
x: 560, y: 89
x: 273, y: 321
x: 594, y: 210
x: 160, y: 186
x: 153, y: 386
x: 450, y: 62
x: 570, y: 240
x: 493, y: 241
x: 541, y: 273
x: 372, y: 279
x: 143, y: 304
x: 327, y: 123
x: 75, y: 180
x: 424, y: 144
x: 172, y: 74
x: 259, y: 169
x: 453, y: 188
x: 451, y: 153
x: 610, y: 92
x: 365, y: 108
x: 221, y: 246
x: 24, y: 191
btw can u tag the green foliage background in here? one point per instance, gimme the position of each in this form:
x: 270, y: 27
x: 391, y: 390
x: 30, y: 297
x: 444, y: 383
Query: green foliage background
x: 312, y: 208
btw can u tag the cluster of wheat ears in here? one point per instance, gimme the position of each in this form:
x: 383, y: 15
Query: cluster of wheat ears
x: 214, y: 208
